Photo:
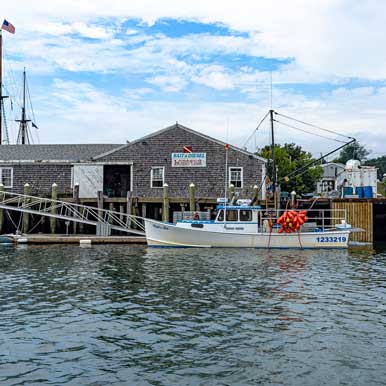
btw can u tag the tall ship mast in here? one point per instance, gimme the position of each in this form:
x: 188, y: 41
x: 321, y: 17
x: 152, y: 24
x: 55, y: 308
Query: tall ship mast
x: 24, y: 135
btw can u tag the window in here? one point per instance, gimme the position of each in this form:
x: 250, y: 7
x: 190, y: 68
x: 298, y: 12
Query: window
x: 6, y: 177
x: 232, y: 215
x: 157, y: 177
x: 236, y: 177
x: 245, y: 215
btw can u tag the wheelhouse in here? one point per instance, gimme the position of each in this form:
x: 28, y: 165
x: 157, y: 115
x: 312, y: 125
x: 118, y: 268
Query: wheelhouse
x: 239, y: 214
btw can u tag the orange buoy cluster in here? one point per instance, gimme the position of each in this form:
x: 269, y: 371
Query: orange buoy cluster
x: 291, y: 221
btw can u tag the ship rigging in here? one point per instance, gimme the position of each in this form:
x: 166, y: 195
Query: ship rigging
x: 26, y: 121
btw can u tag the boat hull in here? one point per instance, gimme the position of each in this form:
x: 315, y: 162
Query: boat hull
x: 159, y: 234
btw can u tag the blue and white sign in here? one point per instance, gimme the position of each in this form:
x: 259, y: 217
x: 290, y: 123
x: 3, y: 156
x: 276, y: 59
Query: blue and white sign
x: 188, y: 160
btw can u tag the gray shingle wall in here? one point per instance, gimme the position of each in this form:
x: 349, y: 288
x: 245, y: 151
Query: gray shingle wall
x: 40, y: 177
x: 209, y: 180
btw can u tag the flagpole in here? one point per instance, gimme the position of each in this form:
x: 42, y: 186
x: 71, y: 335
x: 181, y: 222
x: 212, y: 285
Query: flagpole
x: 1, y: 88
x: 226, y: 183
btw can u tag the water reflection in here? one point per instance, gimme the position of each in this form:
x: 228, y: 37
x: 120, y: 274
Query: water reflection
x: 132, y: 315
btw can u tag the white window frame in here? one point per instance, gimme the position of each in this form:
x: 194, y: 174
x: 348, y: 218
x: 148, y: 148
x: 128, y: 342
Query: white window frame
x: 151, y: 176
x: 1, y: 176
x: 241, y: 176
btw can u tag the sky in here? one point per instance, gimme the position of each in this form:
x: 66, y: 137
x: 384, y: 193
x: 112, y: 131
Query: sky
x: 113, y: 71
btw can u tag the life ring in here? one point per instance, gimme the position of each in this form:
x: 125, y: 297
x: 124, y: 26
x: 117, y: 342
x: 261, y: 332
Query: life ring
x: 196, y: 216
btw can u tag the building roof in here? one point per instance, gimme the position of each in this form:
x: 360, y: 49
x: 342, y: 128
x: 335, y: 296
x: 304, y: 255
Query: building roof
x: 179, y: 126
x: 333, y: 163
x: 68, y: 152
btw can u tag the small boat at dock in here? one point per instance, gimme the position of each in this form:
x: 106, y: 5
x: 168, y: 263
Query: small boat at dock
x: 242, y: 226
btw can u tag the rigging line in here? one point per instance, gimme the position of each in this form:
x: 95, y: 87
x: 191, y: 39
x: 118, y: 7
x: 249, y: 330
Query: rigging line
x: 30, y: 101
x: 257, y: 128
x: 304, y: 168
x: 11, y: 75
x: 316, y: 127
x: 308, y: 132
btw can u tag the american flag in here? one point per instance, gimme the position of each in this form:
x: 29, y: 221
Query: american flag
x: 8, y: 26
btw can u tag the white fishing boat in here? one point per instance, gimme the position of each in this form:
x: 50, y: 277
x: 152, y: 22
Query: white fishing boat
x: 244, y: 226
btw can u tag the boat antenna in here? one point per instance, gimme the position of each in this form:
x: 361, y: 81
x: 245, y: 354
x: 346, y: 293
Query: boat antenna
x: 226, y: 182
x: 23, y: 136
x: 273, y: 151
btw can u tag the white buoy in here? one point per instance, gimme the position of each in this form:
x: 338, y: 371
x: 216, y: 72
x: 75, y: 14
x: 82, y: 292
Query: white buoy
x: 85, y: 243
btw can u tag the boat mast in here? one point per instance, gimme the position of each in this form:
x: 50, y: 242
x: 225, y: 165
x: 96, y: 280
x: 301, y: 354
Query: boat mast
x: 23, y: 137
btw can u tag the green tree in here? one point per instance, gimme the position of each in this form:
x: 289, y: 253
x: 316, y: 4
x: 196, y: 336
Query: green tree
x: 379, y: 163
x: 352, y: 151
x: 288, y: 159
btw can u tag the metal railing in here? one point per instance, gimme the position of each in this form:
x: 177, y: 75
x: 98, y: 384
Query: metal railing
x: 322, y: 219
x: 71, y: 212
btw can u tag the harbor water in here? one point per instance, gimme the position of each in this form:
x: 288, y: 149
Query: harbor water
x: 129, y: 315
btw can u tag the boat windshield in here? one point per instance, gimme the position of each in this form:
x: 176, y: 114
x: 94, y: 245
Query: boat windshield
x: 231, y: 215
x: 245, y: 215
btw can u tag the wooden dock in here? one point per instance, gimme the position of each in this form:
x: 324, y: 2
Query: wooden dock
x: 76, y: 239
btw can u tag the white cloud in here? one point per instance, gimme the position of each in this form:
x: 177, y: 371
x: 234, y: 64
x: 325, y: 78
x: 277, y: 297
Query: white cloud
x: 341, y: 36
x: 329, y: 41
x: 85, y: 114
x: 79, y: 28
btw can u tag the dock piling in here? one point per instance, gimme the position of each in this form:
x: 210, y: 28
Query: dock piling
x: 25, y: 222
x: 165, y: 206
x: 192, y: 197
x: 1, y: 211
x: 76, y: 199
x: 54, y: 196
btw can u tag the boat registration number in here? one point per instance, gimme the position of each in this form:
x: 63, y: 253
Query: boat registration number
x: 330, y: 239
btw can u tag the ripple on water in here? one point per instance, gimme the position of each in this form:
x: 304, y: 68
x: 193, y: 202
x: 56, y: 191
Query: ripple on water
x: 138, y: 316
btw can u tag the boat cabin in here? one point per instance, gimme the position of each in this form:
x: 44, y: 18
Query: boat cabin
x: 239, y: 218
x: 237, y: 213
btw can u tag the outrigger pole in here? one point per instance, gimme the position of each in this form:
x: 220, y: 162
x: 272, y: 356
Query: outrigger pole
x: 300, y: 170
